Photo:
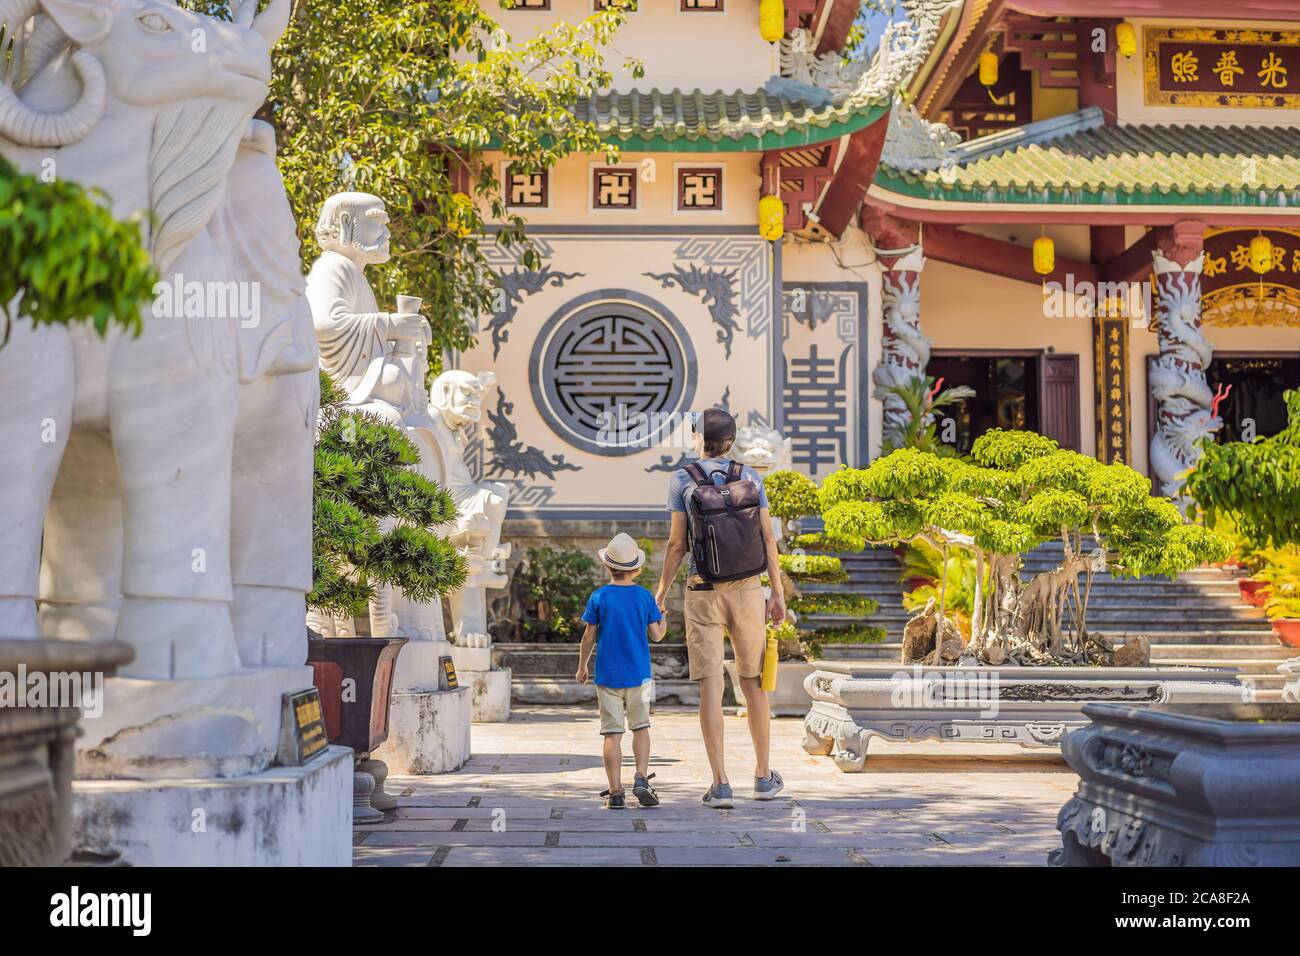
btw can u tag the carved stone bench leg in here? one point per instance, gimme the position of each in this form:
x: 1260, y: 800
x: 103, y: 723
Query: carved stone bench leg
x: 815, y: 743
x: 851, y: 751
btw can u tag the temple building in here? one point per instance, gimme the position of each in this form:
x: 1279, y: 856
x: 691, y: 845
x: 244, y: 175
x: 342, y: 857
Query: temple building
x: 1084, y: 210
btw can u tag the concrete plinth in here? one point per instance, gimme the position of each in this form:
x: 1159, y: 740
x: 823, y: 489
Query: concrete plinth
x: 216, y: 727
x: 489, y: 687
x: 428, y: 731
x: 284, y: 816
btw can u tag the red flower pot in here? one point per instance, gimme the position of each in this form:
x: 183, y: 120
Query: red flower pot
x: 1287, y: 631
x: 1253, y: 592
x: 917, y: 581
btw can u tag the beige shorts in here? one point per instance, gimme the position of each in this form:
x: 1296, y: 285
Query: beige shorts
x: 624, y: 707
x: 740, y: 609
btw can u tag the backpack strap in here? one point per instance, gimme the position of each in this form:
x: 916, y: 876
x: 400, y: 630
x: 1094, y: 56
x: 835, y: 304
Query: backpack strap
x: 734, y: 471
x: 697, y: 474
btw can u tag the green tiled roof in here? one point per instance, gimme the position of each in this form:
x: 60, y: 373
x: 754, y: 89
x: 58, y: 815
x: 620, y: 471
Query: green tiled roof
x: 1076, y: 159
x: 696, y: 121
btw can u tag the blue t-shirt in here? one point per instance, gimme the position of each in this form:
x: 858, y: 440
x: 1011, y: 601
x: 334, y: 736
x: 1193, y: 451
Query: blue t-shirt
x: 622, y: 613
x: 680, y: 485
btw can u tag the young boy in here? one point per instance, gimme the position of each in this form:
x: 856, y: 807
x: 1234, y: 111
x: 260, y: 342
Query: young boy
x: 619, y: 616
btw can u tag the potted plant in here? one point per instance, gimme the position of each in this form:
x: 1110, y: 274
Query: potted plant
x: 1284, y: 612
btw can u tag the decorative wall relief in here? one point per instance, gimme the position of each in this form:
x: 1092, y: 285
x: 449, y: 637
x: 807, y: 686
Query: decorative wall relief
x: 716, y: 288
x: 514, y: 285
x: 509, y: 454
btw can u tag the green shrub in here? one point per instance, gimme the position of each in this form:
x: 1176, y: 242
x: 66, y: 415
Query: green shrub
x: 551, y: 589
x: 845, y: 603
x: 822, y: 541
x: 814, y: 641
x: 790, y: 495
x: 822, y: 568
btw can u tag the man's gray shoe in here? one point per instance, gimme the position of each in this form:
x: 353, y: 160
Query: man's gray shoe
x: 719, y: 797
x: 766, y: 788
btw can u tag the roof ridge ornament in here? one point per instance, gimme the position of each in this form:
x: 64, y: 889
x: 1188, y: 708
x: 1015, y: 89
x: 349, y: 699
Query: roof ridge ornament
x: 914, y: 143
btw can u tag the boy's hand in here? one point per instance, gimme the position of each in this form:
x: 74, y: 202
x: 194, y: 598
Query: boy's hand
x: 582, y: 674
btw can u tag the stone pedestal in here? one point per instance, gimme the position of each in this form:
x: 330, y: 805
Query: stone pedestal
x: 489, y: 688
x: 215, y: 727
x: 428, y: 731
x: 428, y: 723
x: 284, y: 816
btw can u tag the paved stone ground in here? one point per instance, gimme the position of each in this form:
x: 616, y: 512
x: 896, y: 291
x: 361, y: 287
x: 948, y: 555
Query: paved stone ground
x: 537, y: 777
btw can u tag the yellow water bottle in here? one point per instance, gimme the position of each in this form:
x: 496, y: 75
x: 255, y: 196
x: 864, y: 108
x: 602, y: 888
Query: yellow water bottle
x: 770, y: 663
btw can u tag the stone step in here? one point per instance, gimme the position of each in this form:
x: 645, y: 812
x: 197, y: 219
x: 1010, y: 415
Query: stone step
x: 1274, y: 653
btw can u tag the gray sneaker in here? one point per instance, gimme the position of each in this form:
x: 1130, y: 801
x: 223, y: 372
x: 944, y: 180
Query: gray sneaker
x: 766, y: 788
x: 719, y: 797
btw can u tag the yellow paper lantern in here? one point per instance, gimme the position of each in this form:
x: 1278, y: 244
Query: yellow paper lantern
x: 1125, y: 38
x: 771, y: 218
x: 461, y: 220
x: 989, y: 68
x: 1261, y: 255
x: 1044, y: 255
x: 771, y: 20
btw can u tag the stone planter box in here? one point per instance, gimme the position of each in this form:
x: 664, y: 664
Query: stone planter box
x: 1032, y: 706
x: 1184, y: 785
x: 790, y: 699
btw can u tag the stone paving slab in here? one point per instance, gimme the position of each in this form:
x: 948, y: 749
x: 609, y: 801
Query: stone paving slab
x: 528, y: 797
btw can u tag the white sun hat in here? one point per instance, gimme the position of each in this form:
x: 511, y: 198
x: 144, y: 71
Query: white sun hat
x: 622, y: 553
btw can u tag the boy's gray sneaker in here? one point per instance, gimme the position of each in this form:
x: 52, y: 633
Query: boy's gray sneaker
x: 719, y: 797
x: 766, y: 788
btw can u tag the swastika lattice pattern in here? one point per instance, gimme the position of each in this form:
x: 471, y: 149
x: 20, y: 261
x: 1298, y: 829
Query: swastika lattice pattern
x: 611, y: 365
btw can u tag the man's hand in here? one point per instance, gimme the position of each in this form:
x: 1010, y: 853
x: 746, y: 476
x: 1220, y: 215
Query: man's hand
x: 661, y: 597
x: 582, y: 674
x: 776, y: 608
x: 408, y: 326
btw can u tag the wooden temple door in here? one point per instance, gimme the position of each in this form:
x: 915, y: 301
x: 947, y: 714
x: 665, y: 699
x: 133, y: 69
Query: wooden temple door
x: 1058, y: 404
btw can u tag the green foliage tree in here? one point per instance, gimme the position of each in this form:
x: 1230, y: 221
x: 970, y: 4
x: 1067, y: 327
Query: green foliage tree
x: 373, y: 514
x: 1256, y: 483
x: 402, y: 99
x: 550, y: 589
x: 65, y: 257
x: 1020, y: 490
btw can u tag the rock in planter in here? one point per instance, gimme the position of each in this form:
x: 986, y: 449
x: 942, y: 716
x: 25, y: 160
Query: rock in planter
x: 918, y: 635
x: 1135, y: 652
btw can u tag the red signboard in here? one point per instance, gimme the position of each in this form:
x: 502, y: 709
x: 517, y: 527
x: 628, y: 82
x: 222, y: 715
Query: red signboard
x: 1193, y: 66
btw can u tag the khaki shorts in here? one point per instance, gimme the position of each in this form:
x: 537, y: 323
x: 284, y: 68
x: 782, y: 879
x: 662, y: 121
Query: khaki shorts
x: 622, y: 707
x: 737, y: 606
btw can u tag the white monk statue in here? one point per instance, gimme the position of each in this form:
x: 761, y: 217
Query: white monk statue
x: 379, y: 358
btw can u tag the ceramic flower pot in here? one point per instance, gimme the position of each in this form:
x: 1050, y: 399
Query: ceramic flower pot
x: 1253, y: 592
x: 1287, y: 630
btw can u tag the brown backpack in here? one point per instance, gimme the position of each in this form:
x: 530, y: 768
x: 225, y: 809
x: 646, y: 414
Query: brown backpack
x: 725, y: 525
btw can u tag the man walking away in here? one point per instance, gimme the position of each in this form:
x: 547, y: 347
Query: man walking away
x: 720, y: 516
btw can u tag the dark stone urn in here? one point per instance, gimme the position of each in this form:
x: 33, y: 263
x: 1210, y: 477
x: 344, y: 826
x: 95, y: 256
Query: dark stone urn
x: 361, y: 724
x: 1183, y: 785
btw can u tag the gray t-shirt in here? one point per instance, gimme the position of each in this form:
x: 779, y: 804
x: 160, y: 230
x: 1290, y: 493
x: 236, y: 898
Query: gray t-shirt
x: 680, y: 485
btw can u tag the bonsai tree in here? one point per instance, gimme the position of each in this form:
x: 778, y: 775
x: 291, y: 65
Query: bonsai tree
x: 1256, y: 483
x: 1020, y: 490
x: 374, y: 515
x: 66, y: 258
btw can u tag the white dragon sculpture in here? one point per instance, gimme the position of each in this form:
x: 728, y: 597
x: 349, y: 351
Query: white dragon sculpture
x: 905, y: 352
x: 1185, y: 405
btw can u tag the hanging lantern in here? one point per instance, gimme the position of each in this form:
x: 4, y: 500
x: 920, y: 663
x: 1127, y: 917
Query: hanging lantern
x: 1125, y: 38
x: 771, y: 20
x: 1261, y: 255
x: 1044, y: 255
x: 771, y: 218
x: 461, y: 220
x: 989, y: 68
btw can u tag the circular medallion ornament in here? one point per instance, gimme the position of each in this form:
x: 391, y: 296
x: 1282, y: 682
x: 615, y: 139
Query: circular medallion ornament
x: 612, y: 371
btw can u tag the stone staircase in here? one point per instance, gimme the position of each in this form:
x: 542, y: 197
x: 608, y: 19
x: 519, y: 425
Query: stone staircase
x: 1197, y: 619
x: 543, y: 673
